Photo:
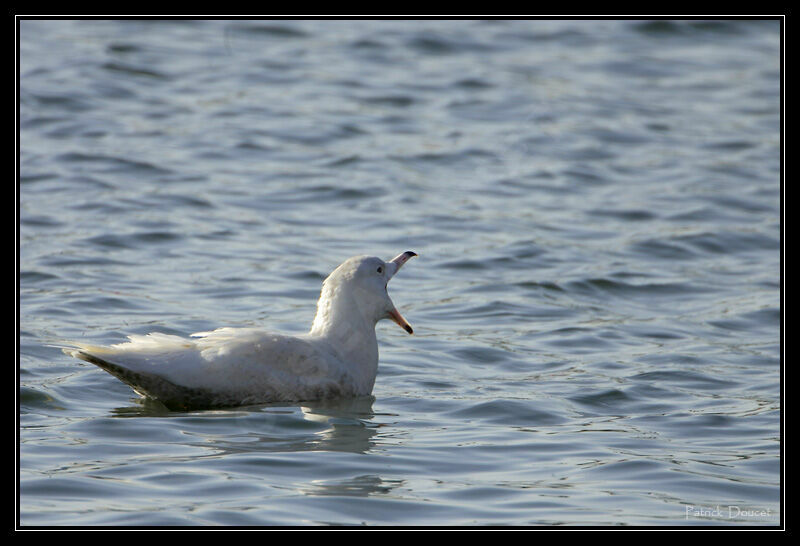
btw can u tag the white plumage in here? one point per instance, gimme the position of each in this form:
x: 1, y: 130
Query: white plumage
x: 236, y: 366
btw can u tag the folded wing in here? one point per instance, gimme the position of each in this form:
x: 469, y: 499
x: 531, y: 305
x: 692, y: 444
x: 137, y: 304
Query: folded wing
x: 228, y: 366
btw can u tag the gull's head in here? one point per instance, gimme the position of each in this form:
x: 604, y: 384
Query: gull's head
x: 361, y: 282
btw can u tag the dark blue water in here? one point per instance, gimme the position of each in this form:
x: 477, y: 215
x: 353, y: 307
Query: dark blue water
x: 596, y: 304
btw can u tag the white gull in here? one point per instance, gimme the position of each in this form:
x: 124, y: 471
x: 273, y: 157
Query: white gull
x: 237, y: 366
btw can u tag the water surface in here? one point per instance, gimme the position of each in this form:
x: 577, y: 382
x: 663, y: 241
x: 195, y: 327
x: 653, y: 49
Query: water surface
x: 596, y: 305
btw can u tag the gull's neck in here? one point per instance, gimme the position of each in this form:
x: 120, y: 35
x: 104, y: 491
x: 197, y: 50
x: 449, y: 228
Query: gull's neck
x: 349, y: 328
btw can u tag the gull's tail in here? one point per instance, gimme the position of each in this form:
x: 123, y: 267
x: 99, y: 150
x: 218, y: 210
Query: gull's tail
x: 173, y: 396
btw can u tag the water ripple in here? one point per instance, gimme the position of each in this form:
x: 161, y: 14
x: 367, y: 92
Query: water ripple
x: 597, y: 305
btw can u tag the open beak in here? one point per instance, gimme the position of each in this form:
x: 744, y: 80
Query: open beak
x: 394, y: 314
x: 401, y: 259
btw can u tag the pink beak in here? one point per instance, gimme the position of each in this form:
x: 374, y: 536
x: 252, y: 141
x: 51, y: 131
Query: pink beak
x: 394, y: 314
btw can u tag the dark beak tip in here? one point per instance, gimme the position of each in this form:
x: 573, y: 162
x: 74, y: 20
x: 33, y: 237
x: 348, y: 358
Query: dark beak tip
x: 409, y: 329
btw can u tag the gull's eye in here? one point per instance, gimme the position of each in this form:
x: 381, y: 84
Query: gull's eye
x: 380, y: 269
